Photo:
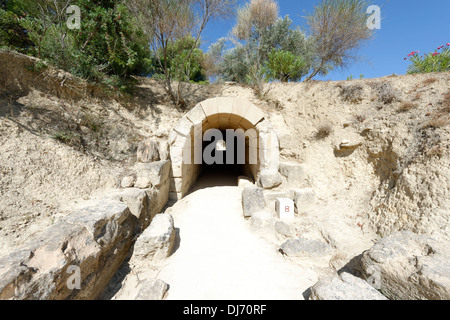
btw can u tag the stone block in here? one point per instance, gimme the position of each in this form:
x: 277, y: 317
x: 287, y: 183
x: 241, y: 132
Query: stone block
x: 184, y: 126
x: 252, y: 201
x: 152, y: 174
x: 244, y: 182
x: 164, y: 150
x: 197, y: 115
x: 407, y: 266
x: 270, y: 179
x: 294, y: 173
x: 156, y: 243
x: 344, y: 287
x: 304, y: 248
x: 305, y: 199
x: 96, y: 239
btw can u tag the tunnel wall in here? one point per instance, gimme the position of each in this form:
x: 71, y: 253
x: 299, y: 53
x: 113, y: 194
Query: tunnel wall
x: 219, y: 113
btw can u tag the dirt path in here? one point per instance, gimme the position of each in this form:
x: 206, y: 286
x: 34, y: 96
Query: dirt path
x: 220, y: 258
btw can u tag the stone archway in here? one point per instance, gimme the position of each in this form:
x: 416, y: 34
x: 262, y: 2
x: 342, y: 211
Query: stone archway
x: 220, y: 113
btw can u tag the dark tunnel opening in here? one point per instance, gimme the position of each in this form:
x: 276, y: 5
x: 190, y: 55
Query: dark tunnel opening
x: 222, y: 172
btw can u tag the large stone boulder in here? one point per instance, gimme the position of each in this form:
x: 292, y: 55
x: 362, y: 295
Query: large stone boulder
x: 136, y: 199
x: 138, y: 203
x: 252, y: 201
x: 407, y: 266
x: 344, y: 287
x: 86, y: 248
x: 140, y: 286
x: 156, y: 243
x: 305, y: 248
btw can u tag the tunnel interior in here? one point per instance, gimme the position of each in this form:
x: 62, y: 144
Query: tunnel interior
x: 221, y: 172
x: 225, y: 165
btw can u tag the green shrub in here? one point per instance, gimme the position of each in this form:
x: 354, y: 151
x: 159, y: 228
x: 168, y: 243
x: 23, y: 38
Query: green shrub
x: 285, y: 66
x: 38, y: 66
x: 183, y: 65
x: 12, y: 34
x: 66, y: 137
x: 108, y: 46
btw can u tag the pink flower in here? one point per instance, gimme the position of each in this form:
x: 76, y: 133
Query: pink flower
x: 448, y: 44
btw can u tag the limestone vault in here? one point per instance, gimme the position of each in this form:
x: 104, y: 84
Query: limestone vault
x: 221, y: 113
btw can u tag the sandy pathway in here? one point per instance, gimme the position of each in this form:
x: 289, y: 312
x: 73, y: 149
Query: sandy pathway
x: 220, y: 258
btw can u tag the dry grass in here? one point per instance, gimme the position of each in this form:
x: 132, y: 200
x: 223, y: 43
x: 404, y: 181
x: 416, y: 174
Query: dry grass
x: 352, y: 93
x: 437, y: 122
x: 446, y: 103
x: 360, y: 118
x: 435, y: 151
x: 324, y: 130
x: 406, y: 106
x: 429, y: 81
x: 418, y: 96
x: 386, y: 92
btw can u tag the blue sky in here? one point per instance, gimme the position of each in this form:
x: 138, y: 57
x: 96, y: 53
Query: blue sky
x: 406, y: 26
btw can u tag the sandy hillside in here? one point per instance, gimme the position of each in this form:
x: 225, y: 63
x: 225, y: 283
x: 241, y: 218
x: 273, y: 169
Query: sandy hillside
x: 62, y: 140
x: 399, y: 177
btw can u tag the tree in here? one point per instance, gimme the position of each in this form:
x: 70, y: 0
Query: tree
x: 184, y: 65
x: 108, y: 48
x: 285, y: 36
x: 227, y: 64
x: 47, y: 16
x: 279, y: 45
x: 253, y: 19
x: 12, y: 34
x: 338, y: 27
x: 109, y: 42
x: 285, y: 66
x: 166, y: 22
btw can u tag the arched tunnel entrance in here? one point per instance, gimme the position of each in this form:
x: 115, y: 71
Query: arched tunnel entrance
x: 221, y: 139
